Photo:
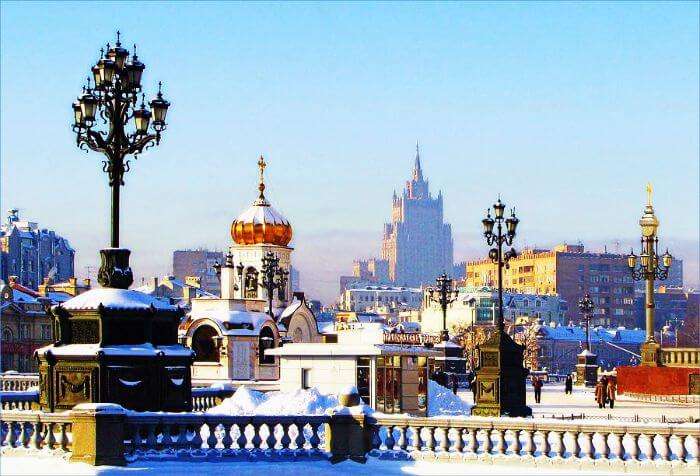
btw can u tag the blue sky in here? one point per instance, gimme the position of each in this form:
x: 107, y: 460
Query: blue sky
x: 567, y: 109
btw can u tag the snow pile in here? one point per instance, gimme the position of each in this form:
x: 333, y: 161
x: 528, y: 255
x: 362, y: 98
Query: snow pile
x: 251, y: 402
x: 442, y: 401
x: 312, y: 402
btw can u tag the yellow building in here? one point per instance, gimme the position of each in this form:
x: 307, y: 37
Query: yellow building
x: 570, y: 272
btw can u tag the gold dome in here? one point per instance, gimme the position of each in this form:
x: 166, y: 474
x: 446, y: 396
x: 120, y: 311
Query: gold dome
x: 261, y: 223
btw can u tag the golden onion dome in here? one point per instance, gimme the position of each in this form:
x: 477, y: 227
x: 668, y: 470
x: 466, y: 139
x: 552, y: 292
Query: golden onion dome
x: 261, y: 223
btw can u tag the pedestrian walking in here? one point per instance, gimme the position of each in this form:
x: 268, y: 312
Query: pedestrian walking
x: 537, y: 385
x: 612, y: 393
x: 455, y: 384
x: 568, y: 384
x: 472, y: 384
x: 600, y: 394
x: 604, y: 381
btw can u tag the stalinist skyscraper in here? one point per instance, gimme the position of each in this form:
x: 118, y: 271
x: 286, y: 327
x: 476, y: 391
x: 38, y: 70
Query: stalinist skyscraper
x: 417, y: 243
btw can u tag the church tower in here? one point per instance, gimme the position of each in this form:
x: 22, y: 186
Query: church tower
x: 417, y: 243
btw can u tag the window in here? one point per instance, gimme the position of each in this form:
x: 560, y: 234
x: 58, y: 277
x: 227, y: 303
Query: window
x: 24, y: 331
x: 363, y: 376
x: 389, y: 384
x: 251, y: 283
x: 7, y: 335
x: 204, y: 345
x: 46, y: 331
x: 305, y: 379
x: 266, y: 341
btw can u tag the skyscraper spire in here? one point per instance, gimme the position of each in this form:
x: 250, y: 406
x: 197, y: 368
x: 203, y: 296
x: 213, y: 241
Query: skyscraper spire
x: 417, y: 172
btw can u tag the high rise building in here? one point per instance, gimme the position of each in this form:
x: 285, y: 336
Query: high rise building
x: 32, y: 254
x: 198, y: 263
x: 571, y: 272
x: 417, y: 243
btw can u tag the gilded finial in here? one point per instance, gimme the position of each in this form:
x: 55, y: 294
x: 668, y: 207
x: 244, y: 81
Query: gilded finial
x: 261, y: 185
x: 650, y: 191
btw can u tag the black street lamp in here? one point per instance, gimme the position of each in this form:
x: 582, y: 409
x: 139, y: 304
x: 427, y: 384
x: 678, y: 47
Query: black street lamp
x: 586, y: 306
x: 499, y: 239
x: 500, y: 377
x: 102, y: 116
x: 273, y: 277
x: 444, y: 294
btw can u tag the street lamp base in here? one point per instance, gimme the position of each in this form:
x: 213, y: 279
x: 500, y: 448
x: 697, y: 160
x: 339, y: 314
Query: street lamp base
x: 115, y: 271
x: 651, y: 354
x: 500, y: 379
x: 444, y: 336
x: 587, y: 369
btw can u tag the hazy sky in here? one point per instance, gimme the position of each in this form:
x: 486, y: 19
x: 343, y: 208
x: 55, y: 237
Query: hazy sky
x: 566, y: 109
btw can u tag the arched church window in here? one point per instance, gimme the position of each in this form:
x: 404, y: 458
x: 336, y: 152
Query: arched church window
x: 266, y: 341
x: 204, y: 345
x: 251, y: 283
x: 298, y: 336
x: 7, y: 334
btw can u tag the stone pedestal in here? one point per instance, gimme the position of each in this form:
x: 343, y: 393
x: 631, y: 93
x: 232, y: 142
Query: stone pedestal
x: 587, y: 369
x: 98, y: 434
x: 650, y: 354
x: 500, y: 379
x: 347, y: 434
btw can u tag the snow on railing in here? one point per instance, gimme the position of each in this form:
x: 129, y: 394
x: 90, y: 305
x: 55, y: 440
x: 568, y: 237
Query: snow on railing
x: 204, y: 398
x: 19, y: 400
x: 464, y: 438
x: 25, y: 430
x: 194, y: 434
x: 16, y: 382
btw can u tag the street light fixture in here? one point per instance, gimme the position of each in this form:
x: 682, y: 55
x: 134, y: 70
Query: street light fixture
x: 650, y: 269
x: 586, y: 306
x: 444, y: 294
x: 273, y: 277
x: 113, y: 102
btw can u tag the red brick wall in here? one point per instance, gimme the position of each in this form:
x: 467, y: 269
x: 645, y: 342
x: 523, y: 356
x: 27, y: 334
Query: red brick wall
x: 654, y: 380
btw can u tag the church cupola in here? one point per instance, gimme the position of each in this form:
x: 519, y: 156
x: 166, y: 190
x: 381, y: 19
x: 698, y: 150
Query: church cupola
x: 261, y: 223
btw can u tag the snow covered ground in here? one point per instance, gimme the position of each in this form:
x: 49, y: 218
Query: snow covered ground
x: 555, y: 402
x: 20, y: 466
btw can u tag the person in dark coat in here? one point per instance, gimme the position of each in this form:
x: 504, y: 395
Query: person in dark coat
x: 568, y: 385
x: 600, y: 394
x: 612, y: 393
x: 472, y: 384
x: 537, y: 385
x: 455, y: 383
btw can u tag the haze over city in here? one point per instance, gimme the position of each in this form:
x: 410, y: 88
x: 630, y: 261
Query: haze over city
x: 566, y: 114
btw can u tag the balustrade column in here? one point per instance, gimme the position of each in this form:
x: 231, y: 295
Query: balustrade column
x: 560, y: 447
x: 650, y: 451
x: 242, y: 440
x: 500, y: 442
x: 664, y: 449
x: 545, y: 443
x: 529, y: 446
x: 473, y: 441
x: 286, y: 440
x: 590, y: 449
x: 486, y: 448
x: 271, y: 441
x: 575, y: 447
x: 459, y: 442
x: 604, y: 446
x: 618, y: 444
x: 227, y: 440
x: 515, y: 446
x: 389, y: 440
x: 634, y: 447
x: 430, y: 441
x: 445, y: 440
x: 417, y: 443
x: 402, y: 437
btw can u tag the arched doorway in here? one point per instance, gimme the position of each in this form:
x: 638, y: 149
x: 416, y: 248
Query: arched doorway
x: 266, y: 341
x: 203, y: 344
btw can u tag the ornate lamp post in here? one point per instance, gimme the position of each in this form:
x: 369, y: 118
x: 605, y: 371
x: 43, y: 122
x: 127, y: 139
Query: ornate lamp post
x: 499, y: 239
x: 443, y: 294
x: 500, y: 377
x: 586, y: 367
x: 273, y: 277
x: 649, y: 269
x: 102, y: 123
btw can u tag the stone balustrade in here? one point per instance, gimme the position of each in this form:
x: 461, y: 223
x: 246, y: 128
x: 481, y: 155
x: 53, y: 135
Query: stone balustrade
x: 16, y: 382
x: 36, y: 431
x: 25, y: 400
x: 204, y: 398
x: 680, y: 356
x: 600, y: 444
x: 222, y: 435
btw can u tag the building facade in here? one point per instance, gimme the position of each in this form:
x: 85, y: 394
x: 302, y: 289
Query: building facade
x: 671, y: 307
x: 370, y: 297
x: 417, y: 244
x: 479, y: 306
x: 570, y: 272
x: 199, y: 263
x: 31, y: 253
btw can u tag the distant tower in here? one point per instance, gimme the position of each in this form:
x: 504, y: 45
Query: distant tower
x: 417, y: 243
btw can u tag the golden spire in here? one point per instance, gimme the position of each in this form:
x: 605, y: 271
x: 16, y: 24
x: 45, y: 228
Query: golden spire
x: 261, y: 185
x: 650, y: 191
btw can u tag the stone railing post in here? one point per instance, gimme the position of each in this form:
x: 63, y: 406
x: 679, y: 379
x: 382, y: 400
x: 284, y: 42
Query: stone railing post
x: 98, y: 434
x: 348, y: 434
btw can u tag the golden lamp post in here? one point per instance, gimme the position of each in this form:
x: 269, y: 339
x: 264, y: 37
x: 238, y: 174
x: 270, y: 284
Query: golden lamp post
x: 649, y: 266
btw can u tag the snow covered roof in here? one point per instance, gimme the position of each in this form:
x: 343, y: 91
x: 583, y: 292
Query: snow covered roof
x: 112, y: 298
x: 577, y: 333
x: 148, y: 349
x: 330, y: 350
x: 233, y: 322
x: 291, y: 309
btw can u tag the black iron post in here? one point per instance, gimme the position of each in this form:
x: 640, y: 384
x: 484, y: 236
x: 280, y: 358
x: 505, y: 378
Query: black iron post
x: 499, y: 239
x: 444, y: 295
x: 102, y: 116
x: 273, y: 277
x: 586, y: 306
